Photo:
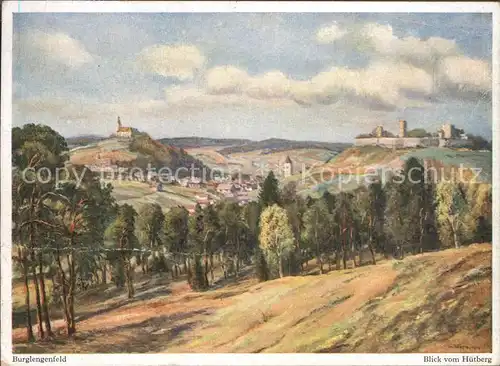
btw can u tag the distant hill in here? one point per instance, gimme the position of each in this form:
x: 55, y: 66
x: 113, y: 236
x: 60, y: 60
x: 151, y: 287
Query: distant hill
x: 193, y: 142
x: 277, y: 145
x: 367, y: 159
x: 83, y: 140
x: 140, y: 151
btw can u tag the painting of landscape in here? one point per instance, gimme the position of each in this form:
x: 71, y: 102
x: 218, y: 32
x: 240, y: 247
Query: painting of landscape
x: 252, y: 182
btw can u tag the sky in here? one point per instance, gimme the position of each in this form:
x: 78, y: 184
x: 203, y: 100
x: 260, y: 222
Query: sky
x: 302, y: 76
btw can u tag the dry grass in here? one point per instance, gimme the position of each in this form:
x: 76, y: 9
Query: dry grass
x: 434, y: 302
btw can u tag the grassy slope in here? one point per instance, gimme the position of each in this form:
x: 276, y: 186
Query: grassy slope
x: 139, y: 152
x: 435, y: 302
x: 361, y: 160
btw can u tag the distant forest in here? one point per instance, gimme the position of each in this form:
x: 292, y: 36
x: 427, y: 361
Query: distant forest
x: 276, y: 145
x: 190, y: 142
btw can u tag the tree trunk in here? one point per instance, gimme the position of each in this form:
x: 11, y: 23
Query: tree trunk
x: 205, y: 272
x: 455, y: 235
x: 237, y: 267
x: 45, y: 307
x: 370, y: 241
x: 186, y: 264
x: 64, y: 294
x: 41, y: 333
x: 281, y: 266
x: 35, y: 280
x: 320, y: 263
x: 71, y: 293
x: 29, y: 326
x: 104, y: 273
x: 212, y: 268
x: 370, y: 247
x: 128, y: 276
x: 351, y: 246
x: 337, y: 260
x: 223, y: 264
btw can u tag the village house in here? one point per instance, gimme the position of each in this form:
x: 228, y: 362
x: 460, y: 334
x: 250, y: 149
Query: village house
x: 203, y: 200
x: 287, y: 167
x: 192, y: 182
x: 227, y: 188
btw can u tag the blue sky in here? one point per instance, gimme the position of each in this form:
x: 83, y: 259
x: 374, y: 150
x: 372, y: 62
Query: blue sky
x: 324, y: 76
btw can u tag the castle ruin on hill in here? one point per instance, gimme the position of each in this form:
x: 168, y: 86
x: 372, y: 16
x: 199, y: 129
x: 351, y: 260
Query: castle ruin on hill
x: 446, y: 136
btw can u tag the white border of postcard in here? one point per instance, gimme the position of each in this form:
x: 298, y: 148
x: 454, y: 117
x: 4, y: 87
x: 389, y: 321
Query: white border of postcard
x: 11, y: 7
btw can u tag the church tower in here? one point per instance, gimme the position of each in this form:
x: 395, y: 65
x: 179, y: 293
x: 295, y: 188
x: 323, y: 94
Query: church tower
x: 288, y: 167
x: 402, y: 128
x: 121, y: 131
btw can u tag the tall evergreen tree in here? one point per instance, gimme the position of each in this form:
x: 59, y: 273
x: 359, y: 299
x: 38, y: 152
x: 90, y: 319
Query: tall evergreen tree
x: 123, y: 232
x: 176, y: 235
x: 269, y: 193
x: 150, y: 231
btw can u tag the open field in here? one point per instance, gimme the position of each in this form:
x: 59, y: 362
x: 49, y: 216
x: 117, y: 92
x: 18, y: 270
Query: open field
x: 138, y: 193
x: 432, y: 302
x: 112, y: 149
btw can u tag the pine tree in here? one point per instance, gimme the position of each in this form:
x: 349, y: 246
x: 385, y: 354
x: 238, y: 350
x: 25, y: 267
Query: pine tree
x: 269, y: 193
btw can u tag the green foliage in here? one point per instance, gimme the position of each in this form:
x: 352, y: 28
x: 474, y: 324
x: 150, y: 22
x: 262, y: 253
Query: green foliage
x: 159, y: 155
x: 150, y: 234
x: 418, y: 132
x: 261, y: 268
x: 479, y: 142
x: 32, y: 137
x: 276, y: 236
x: 319, y: 228
x: 289, y: 193
x: 196, y: 276
x: 269, y: 193
x: 176, y: 229
x: 450, y: 211
x: 409, y: 211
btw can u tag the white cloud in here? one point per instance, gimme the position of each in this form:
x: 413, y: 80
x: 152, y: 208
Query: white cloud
x: 178, y: 61
x: 329, y: 34
x: 425, y: 66
x: 271, y: 85
x: 381, y: 40
x: 465, y: 74
x: 56, y: 47
x: 193, y: 97
x: 382, y: 84
x: 225, y: 80
x: 232, y: 80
